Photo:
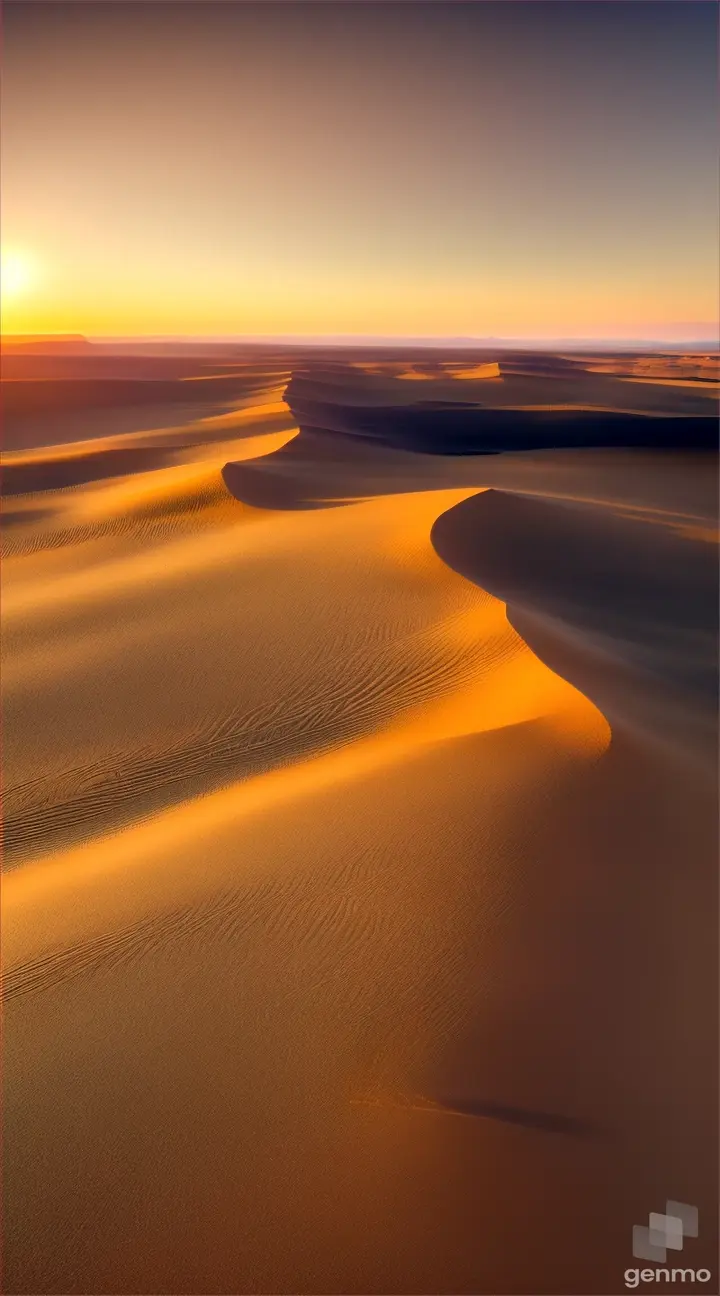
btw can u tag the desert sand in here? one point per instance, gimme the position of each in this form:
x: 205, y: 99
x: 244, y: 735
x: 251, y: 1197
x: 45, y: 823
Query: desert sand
x: 360, y: 823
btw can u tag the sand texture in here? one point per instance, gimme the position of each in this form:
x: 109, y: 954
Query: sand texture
x: 360, y: 912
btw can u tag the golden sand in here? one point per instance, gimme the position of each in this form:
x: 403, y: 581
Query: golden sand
x: 308, y: 846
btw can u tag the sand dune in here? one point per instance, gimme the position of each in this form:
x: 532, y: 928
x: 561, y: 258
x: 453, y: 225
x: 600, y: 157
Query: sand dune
x: 360, y: 832
x: 521, y: 402
x: 471, y: 372
x: 624, y: 590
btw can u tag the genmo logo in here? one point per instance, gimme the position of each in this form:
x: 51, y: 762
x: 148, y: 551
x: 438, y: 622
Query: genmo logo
x: 633, y: 1277
x: 665, y: 1232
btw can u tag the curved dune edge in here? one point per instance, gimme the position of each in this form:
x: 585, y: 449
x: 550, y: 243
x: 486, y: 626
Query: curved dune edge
x: 617, y: 604
x: 519, y: 689
x: 219, y: 534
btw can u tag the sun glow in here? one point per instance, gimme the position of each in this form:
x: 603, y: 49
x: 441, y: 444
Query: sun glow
x: 16, y: 274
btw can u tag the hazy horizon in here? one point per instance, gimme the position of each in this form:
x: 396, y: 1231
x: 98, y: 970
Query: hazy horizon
x: 705, y: 336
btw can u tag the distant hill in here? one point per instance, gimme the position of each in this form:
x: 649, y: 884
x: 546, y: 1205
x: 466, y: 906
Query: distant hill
x: 46, y: 344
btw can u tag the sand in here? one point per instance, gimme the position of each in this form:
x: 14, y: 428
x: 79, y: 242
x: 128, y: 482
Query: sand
x: 359, y: 926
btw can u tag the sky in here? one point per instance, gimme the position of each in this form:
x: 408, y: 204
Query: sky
x: 519, y: 168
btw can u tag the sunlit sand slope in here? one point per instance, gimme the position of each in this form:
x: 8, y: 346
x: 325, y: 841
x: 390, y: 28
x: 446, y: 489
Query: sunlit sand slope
x: 336, y: 916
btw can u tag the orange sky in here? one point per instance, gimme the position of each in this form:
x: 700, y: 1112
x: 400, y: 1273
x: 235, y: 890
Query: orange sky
x: 418, y: 169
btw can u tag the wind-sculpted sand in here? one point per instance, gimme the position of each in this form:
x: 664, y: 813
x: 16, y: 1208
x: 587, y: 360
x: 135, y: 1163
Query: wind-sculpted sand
x: 359, y: 837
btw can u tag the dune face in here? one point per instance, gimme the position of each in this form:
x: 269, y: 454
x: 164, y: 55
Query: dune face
x: 625, y: 590
x: 519, y: 402
x: 360, y: 826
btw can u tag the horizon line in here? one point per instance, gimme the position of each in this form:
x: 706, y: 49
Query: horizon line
x: 371, y: 338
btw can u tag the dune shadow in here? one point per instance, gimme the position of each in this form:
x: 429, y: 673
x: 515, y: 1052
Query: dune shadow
x: 459, y: 427
x: 526, y: 1118
x: 262, y: 489
x: 635, y: 581
x: 97, y: 465
x: 317, y: 469
x: 10, y: 517
x: 625, y: 610
x: 57, y: 472
x: 27, y: 395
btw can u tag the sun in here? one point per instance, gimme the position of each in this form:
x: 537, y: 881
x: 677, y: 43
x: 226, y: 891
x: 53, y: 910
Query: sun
x: 16, y: 274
